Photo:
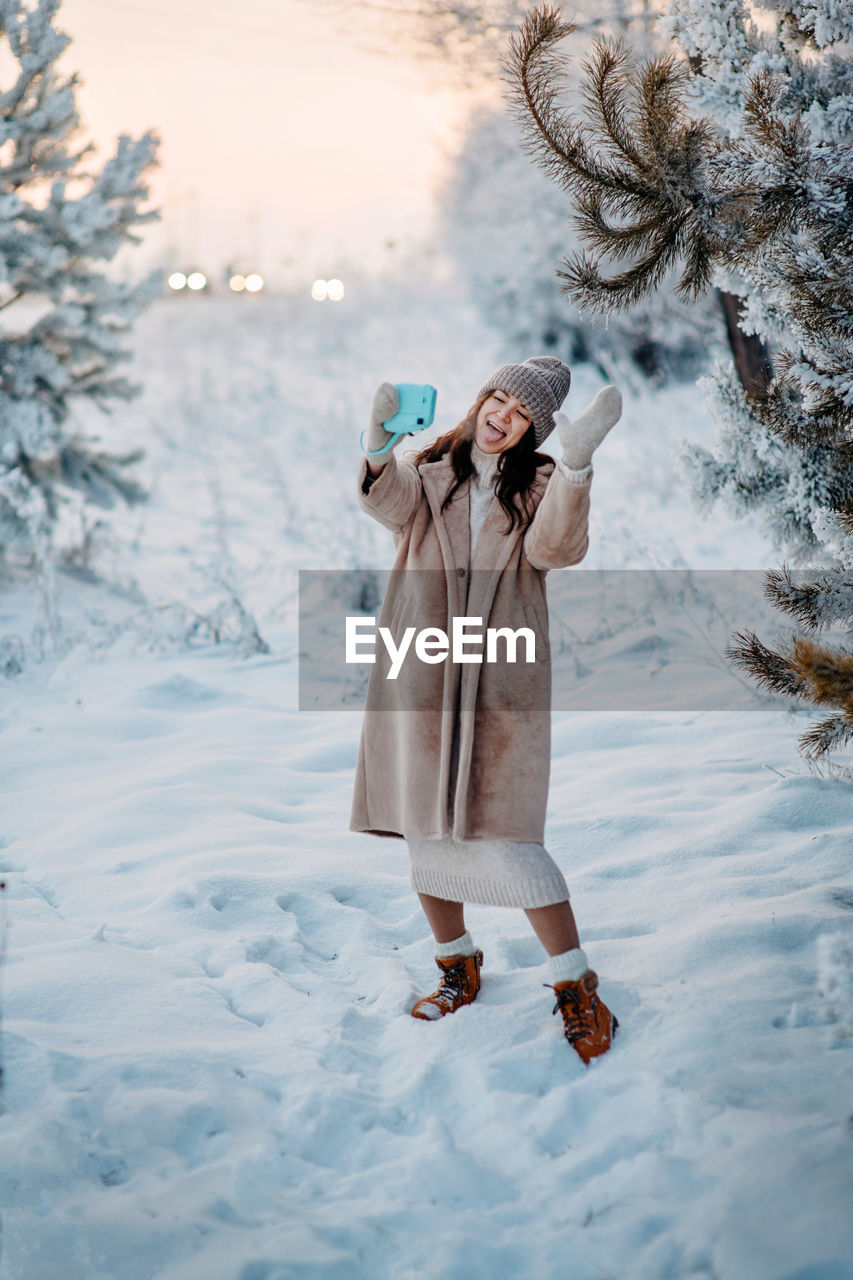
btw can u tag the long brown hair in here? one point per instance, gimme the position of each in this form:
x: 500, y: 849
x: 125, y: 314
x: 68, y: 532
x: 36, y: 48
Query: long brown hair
x: 516, y: 466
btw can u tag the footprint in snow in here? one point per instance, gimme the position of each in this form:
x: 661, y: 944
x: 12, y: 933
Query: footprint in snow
x: 180, y: 693
x: 281, y: 954
x: 389, y: 906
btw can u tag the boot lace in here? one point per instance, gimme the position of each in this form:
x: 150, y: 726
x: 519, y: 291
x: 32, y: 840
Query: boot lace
x: 453, y: 980
x: 569, y: 1003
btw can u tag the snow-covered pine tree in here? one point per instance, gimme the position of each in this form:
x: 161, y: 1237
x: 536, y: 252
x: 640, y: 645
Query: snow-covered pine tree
x: 62, y: 314
x: 754, y: 195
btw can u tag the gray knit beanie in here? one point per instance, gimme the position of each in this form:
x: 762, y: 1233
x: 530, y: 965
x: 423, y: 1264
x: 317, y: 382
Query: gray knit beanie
x: 541, y: 384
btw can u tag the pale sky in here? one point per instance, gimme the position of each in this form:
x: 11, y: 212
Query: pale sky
x: 283, y: 138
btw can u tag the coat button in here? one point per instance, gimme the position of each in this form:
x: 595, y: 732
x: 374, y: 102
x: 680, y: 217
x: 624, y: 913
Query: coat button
x: 460, y: 573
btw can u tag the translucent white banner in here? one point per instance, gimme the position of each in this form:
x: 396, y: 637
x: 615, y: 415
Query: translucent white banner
x: 625, y: 640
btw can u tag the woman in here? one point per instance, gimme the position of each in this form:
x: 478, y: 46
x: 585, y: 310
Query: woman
x: 455, y: 754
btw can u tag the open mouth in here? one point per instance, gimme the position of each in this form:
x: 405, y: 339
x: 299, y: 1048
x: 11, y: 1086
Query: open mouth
x: 499, y: 431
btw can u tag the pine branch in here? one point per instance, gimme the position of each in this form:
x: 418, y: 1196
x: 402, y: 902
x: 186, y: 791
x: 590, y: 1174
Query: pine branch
x: 532, y: 69
x: 698, y: 272
x: 769, y: 670
x: 603, y: 91
x: 828, y: 673
x: 660, y: 116
x: 809, y: 672
x: 826, y: 599
x: 647, y: 171
x: 778, y: 406
x: 844, y: 517
x: 826, y: 736
x: 618, y: 241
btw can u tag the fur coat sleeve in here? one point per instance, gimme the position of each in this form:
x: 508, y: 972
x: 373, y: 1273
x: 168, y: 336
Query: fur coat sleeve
x: 559, y: 533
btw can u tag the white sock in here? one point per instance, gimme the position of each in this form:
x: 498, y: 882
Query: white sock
x: 463, y: 946
x: 569, y: 965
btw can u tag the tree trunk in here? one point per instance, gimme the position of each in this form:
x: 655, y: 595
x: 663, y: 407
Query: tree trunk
x: 751, y: 357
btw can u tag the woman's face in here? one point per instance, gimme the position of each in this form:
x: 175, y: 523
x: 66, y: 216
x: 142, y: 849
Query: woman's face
x: 501, y: 422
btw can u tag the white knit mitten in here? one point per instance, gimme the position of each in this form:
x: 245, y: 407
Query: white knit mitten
x: 385, y: 404
x: 582, y: 436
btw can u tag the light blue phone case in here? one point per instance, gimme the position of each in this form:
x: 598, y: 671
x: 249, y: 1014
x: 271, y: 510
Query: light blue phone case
x: 416, y: 413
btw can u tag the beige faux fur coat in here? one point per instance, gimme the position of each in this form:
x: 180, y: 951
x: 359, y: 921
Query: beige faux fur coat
x: 500, y: 711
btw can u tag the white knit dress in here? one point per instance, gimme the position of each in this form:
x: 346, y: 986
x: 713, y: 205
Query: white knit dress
x: 501, y: 873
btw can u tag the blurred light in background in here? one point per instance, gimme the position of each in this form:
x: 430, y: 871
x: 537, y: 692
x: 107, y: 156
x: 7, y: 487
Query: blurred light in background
x: 332, y: 289
x: 252, y: 283
x: 196, y: 280
x: 177, y: 280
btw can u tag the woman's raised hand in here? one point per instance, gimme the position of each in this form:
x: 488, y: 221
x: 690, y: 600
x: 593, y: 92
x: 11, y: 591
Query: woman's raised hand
x: 581, y: 436
x: 385, y: 404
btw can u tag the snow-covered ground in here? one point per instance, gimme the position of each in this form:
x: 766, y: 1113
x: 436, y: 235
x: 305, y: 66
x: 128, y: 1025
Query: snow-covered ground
x: 210, y: 1068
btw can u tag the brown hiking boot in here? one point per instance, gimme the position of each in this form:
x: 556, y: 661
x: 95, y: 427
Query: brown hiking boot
x: 460, y: 982
x: 588, y: 1024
